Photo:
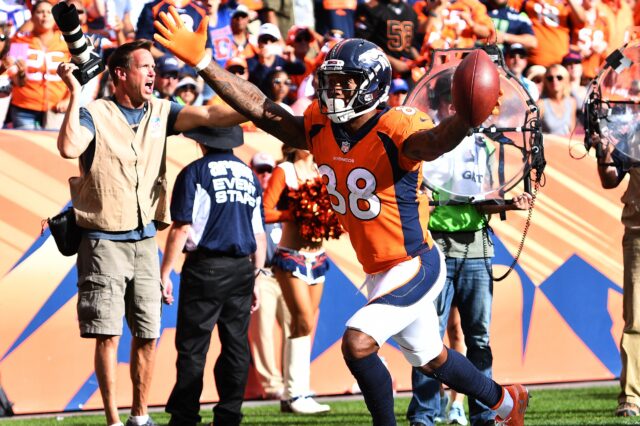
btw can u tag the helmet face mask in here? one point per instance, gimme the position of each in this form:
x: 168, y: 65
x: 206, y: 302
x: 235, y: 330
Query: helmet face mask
x: 359, y: 61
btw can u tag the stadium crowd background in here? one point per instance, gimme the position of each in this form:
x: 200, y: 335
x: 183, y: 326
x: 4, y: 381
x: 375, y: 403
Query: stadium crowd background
x: 554, y: 46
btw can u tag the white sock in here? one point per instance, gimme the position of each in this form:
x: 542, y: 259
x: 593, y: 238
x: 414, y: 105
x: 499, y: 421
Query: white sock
x: 117, y: 424
x: 140, y: 420
x: 506, y: 406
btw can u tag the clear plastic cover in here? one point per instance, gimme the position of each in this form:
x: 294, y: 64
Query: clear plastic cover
x: 491, y: 161
x: 619, y: 110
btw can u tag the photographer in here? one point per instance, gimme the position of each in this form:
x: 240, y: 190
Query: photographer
x: 120, y: 201
x: 612, y: 169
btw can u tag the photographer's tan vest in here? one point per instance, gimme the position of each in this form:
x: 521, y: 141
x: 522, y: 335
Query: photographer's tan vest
x: 126, y: 185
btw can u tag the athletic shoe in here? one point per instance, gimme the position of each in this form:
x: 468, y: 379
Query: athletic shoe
x: 444, y: 402
x: 303, y: 405
x: 149, y: 422
x: 627, y: 409
x: 456, y: 414
x: 520, y: 396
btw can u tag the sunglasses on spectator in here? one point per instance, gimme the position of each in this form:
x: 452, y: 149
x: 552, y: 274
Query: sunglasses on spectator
x: 267, y: 39
x: 537, y: 80
x: 518, y: 55
x: 237, y: 70
x: 172, y: 75
x: 263, y: 169
x: 190, y: 87
x: 550, y: 78
x: 282, y: 81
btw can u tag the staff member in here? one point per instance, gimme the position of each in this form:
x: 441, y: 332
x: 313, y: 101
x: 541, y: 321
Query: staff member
x: 218, y: 219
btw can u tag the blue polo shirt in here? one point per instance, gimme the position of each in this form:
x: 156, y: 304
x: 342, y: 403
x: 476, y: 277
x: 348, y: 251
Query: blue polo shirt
x: 221, y: 198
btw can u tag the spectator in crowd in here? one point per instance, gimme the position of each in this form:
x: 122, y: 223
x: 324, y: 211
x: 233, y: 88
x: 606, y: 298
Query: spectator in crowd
x: 243, y: 41
x: 332, y: 15
x: 619, y: 15
x: 612, y: 168
x: 121, y: 145
x: 271, y: 56
x: 460, y: 231
x: 304, y: 41
x: 122, y: 12
x: 39, y: 98
x: 511, y: 26
x: 278, y: 13
x: 557, y: 106
x: 5, y: 64
x: 300, y: 265
x: 515, y: 58
x: 278, y: 87
x: 572, y: 61
x: 398, y: 92
x: 536, y: 73
x: 272, y: 305
x: 390, y: 24
x: 187, y: 92
x: 552, y: 21
x: 220, y: 15
x: 453, y: 24
x: 226, y: 245
x: 190, y: 13
x: 591, y: 41
x: 13, y: 16
x: 166, y: 80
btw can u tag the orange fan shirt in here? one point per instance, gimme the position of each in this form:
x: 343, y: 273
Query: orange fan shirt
x: 592, y: 40
x: 451, y: 30
x: 372, y: 185
x: 620, y: 21
x: 550, y: 22
x: 43, y: 88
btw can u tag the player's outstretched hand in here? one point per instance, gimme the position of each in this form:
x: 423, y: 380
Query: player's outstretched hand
x: 186, y: 45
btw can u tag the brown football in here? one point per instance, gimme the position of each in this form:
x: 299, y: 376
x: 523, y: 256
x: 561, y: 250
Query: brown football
x: 476, y: 87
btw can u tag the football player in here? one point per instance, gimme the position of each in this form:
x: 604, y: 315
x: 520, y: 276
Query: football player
x: 370, y: 157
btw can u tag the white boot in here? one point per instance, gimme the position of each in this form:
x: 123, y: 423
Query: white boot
x: 297, y: 369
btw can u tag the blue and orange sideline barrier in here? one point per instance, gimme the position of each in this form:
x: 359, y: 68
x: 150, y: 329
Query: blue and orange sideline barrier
x: 565, y: 293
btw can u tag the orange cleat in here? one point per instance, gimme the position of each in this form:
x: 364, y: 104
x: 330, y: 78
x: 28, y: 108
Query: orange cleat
x: 520, y: 396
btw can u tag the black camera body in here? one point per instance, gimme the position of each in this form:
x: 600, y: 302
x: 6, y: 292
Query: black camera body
x: 86, y: 59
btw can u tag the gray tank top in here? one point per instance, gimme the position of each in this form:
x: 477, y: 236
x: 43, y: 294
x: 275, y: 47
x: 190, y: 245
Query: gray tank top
x: 553, y: 124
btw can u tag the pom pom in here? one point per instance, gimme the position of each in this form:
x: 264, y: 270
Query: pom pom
x: 311, y: 206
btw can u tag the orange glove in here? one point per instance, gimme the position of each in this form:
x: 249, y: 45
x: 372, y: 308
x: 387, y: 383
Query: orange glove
x: 188, y: 46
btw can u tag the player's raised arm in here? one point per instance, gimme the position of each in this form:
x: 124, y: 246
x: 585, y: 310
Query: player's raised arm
x: 475, y: 91
x: 242, y: 95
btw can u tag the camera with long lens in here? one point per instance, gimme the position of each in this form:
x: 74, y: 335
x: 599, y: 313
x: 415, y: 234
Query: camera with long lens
x: 83, y: 56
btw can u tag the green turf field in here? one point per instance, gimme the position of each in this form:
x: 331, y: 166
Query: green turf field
x: 576, y: 407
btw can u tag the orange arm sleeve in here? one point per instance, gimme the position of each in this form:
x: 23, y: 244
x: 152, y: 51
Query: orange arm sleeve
x: 277, y: 185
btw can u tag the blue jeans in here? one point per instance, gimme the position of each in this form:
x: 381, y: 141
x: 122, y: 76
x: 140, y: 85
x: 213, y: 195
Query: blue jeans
x: 470, y: 286
x: 26, y: 119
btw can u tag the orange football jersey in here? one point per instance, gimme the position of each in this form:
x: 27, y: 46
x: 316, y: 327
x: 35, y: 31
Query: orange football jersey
x: 451, y: 30
x: 43, y: 88
x: 551, y: 22
x: 373, y: 186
